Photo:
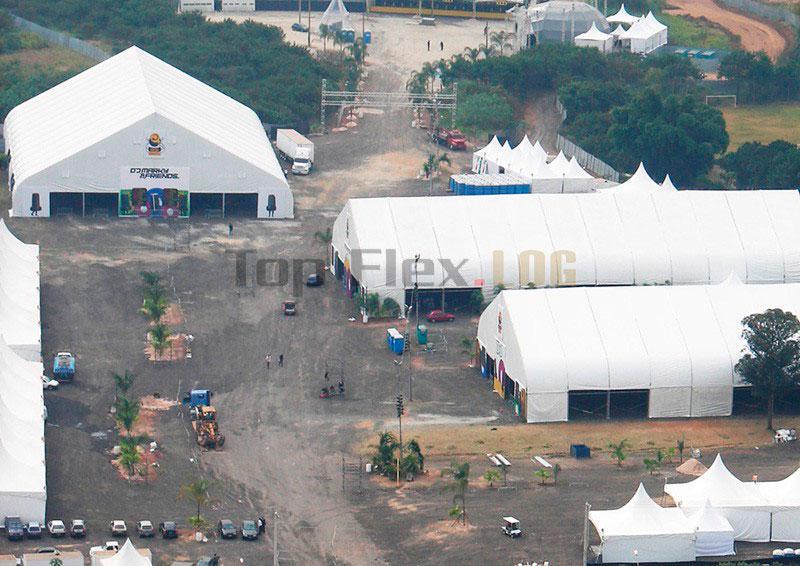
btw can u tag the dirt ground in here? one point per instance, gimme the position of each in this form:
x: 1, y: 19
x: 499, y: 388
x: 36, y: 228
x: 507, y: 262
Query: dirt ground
x: 756, y: 35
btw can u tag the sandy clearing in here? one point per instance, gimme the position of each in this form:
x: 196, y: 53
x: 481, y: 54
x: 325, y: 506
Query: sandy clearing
x: 755, y: 35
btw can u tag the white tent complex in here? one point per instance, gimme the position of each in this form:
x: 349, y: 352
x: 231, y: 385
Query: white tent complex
x: 137, y: 137
x: 336, y: 17
x: 641, y: 531
x: 646, y: 35
x: 670, y: 350
x: 713, y: 532
x: 595, y: 38
x: 128, y: 555
x: 606, y: 238
x: 741, y: 503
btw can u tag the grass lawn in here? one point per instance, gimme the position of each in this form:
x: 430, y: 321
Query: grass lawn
x: 37, y: 54
x: 765, y: 123
x: 691, y: 32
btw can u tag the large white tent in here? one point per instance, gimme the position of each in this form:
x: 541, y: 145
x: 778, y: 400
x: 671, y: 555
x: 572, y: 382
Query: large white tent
x: 679, y: 344
x: 622, y: 17
x: 595, y: 38
x: 20, y: 320
x: 605, y: 238
x: 641, y: 531
x: 741, y: 503
x: 714, y: 533
x: 785, y: 496
x: 336, y: 17
x: 136, y: 136
x: 646, y: 35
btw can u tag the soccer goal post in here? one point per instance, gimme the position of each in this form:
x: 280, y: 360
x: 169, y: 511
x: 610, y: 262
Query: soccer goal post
x: 721, y: 99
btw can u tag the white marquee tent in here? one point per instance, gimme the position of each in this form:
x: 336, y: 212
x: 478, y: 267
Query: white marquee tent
x: 526, y: 160
x: 641, y: 531
x: 622, y: 17
x: 714, y: 534
x: 486, y: 155
x: 646, y: 35
x: 678, y: 343
x: 336, y: 16
x: 136, y: 122
x: 742, y: 503
x: 20, y: 321
x: 605, y: 238
x: 128, y: 555
x: 785, y: 496
x: 595, y: 38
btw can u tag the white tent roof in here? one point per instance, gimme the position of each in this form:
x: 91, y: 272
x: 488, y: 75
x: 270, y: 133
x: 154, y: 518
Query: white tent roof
x: 785, y: 492
x: 118, y: 93
x: 719, y: 487
x: 714, y: 533
x: 642, y: 29
x: 619, y: 237
x: 560, y: 165
x: 619, y: 31
x: 639, y: 182
x: 490, y: 150
x: 622, y: 17
x: 593, y: 34
x: 575, y: 171
x: 127, y: 556
x: 668, y: 185
x: 336, y: 16
x: 654, y: 24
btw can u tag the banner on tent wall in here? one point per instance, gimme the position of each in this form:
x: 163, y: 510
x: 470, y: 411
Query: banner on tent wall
x: 154, y: 177
x: 154, y: 203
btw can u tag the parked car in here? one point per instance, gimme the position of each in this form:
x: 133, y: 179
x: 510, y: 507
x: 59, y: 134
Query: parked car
x: 15, y: 530
x: 439, y: 315
x: 227, y: 529
x: 118, y: 528
x: 289, y: 308
x: 297, y: 26
x: 56, y: 528
x: 77, y: 529
x: 48, y: 383
x: 315, y: 280
x: 168, y: 529
x: 109, y: 545
x: 33, y: 530
x: 48, y: 550
x: 249, y: 530
x: 453, y: 139
x: 145, y: 529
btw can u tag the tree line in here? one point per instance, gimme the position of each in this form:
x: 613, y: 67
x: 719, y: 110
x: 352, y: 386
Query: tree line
x: 250, y: 62
x: 758, y: 79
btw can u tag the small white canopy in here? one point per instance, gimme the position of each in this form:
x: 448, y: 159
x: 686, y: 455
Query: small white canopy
x: 595, y: 38
x: 127, y: 556
x: 668, y: 185
x: 336, y: 16
x: 713, y: 531
x: 786, y: 495
x: 622, y: 17
x: 560, y: 165
x: 575, y: 171
x: 742, y: 503
x: 639, y: 182
x: 485, y: 155
x: 655, y: 533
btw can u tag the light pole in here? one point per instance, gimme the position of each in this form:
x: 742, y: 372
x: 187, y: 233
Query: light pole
x: 309, y: 24
x: 299, y: 11
x: 275, y: 538
x: 399, y: 406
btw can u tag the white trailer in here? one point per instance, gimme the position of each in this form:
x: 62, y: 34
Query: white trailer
x: 297, y: 148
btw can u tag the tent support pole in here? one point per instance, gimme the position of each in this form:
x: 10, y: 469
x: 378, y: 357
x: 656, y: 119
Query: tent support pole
x: 585, y: 533
x: 608, y: 405
x: 223, y: 205
x: 83, y: 204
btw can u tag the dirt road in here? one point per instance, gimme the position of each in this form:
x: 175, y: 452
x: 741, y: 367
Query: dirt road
x: 755, y: 34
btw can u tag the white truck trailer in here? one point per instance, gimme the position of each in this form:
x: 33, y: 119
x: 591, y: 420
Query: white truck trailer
x: 297, y: 148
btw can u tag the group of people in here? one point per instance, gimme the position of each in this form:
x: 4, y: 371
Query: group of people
x: 268, y: 360
x: 330, y: 391
x: 441, y: 45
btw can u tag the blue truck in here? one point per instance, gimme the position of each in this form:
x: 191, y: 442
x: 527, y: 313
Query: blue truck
x: 64, y: 366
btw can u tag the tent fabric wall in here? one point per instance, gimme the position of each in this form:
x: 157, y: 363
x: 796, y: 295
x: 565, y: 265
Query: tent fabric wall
x: 679, y: 342
x: 641, y: 234
x: 785, y: 495
x: 657, y: 534
x: 713, y: 532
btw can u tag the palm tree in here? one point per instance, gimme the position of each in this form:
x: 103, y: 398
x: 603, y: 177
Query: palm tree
x: 491, y: 476
x: 543, y: 474
x: 472, y: 53
x: 467, y: 347
x: 459, y: 473
x: 198, y: 492
x: 358, y: 51
x: 501, y: 40
x: 618, y: 451
x: 159, y: 337
x: 324, y: 33
x: 154, y: 307
x: 432, y: 166
x: 126, y: 413
x: 123, y: 382
x: 129, y: 454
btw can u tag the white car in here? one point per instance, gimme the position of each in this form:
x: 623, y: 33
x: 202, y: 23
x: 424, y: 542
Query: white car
x: 109, y: 545
x: 56, y: 528
x: 48, y: 383
x: 118, y: 528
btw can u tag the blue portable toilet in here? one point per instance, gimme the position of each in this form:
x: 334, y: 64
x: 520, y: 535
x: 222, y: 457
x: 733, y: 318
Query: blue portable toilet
x: 395, y: 341
x: 199, y: 397
x: 367, y: 37
x: 422, y: 334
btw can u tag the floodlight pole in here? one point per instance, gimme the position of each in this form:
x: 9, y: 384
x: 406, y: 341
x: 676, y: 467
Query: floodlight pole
x: 309, y: 24
x: 299, y: 11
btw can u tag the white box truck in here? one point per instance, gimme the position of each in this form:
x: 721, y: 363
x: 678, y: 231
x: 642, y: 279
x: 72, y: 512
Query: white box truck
x: 297, y: 148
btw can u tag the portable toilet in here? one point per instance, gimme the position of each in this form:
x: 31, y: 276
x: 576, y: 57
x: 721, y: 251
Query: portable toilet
x: 422, y: 334
x: 367, y: 37
x: 395, y: 341
x: 199, y: 397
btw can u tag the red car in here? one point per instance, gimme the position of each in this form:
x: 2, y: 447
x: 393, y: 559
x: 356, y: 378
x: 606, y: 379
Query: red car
x: 439, y: 315
x: 453, y: 139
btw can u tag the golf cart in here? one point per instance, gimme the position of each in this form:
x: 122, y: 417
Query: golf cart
x: 511, y: 527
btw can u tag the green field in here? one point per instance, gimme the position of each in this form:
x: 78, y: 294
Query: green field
x: 690, y: 32
x: 765, y: 123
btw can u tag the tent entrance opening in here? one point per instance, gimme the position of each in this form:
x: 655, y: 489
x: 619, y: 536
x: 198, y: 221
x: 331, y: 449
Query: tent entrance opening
x: 449, y: 300
x: 241, y: 205
x: 599, y: 405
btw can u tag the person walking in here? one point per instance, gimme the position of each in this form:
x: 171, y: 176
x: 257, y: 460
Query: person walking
x: 268, y: 359
x: 230, y: 230
x: 441, y: 45
x: 429, y: 45
x: 341, y: 387
x: 280, y: 360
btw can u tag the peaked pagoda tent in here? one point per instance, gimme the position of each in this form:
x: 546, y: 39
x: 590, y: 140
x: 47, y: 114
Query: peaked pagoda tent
x: 714, y: 534
x: 127, y: 556
x: 575, y: 171
x: 642, y: 531
x: 668, y: 185
x: 741, y: 503
x: 595, y: 38
x: 622, y: 17
x: 482, y: 157
x: 646, y: 35
x: 336, y: 17
x: 560, y: 165
x: 785, y: 494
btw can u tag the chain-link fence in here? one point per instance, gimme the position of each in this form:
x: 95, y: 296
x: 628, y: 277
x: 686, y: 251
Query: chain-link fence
x: 766, y: 11
x: 62, y: 39
x: 586, y: 159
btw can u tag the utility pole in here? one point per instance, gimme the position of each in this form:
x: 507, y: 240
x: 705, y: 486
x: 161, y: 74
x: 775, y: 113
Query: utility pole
x: 309, y: 24
x: 399, y: 405
x: 585, y: 532
x: 275, y: 538
x: 299, y: 11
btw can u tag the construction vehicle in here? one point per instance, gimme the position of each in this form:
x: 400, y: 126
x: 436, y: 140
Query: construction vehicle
x: 206, y: 429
